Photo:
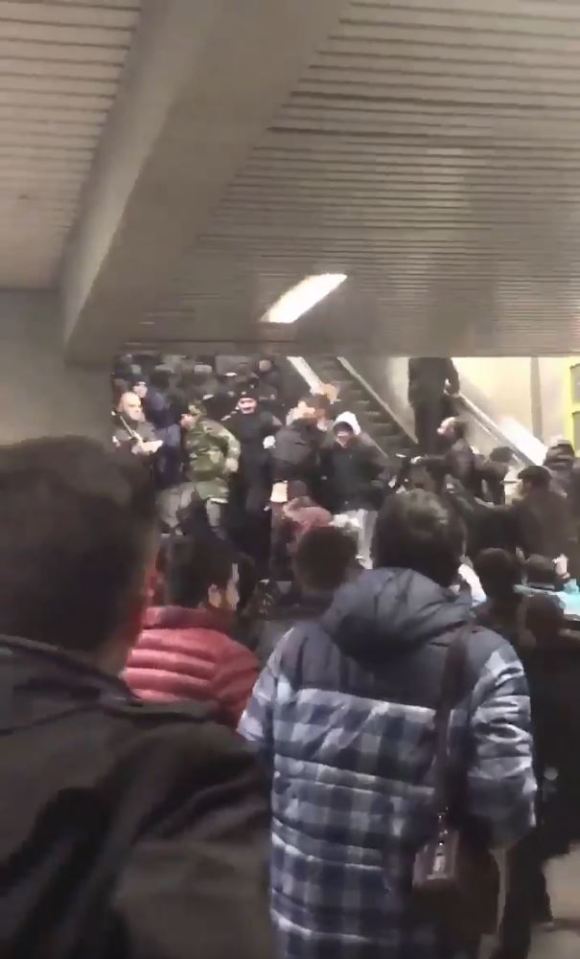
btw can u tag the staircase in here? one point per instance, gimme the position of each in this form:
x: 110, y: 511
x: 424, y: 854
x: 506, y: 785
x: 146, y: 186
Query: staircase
x: 372, y: 416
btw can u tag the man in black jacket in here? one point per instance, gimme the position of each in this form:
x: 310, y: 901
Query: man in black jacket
x: 299, y: 445
x: 357, y: 475
x: 458, y: 459
x: 255, y: 429
x: 129, y: 830
x: 432, y: 379
x: 542, y: 517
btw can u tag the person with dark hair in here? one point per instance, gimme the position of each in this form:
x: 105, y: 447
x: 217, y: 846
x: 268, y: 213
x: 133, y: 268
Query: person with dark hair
x: 323, y: 559
x: 541, y: 573
x: 564, y: 468
x: 250, y: 488
x: 298, y: 449
x: 140, y: 388
x: 432, y: 381
x: 116, y: 801
x: 160, y: 405
x: 185, y: 650
x: 266, y: 385
x: 507, y: 610
x: 542, y: 517
x: 458, y: 459
x: 210, y: 455
x: 357, y: 476
x: 343, y: 716
x: 293, y: 521
x: 534, y: 624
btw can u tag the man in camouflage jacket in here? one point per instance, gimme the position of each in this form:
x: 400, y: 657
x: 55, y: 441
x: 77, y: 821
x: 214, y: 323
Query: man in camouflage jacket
x: 211, y: 456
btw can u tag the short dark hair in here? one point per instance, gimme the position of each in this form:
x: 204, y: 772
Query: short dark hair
x: 194, y: 565
x: 501, y: 454
x: 76, y: 525
x: 540, y: 571
x: 499, y: 572
x: 417, y: 530
x: 323, y: 558
x: 537, y: 476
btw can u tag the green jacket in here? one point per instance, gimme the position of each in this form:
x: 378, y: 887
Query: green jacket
x: 212, y: 455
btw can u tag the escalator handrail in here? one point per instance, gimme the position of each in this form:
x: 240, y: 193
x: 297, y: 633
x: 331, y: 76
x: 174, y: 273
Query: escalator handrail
x: 527, y: 448
x: 352, y: 370
x: 530, y: 450
x: 316, y: 385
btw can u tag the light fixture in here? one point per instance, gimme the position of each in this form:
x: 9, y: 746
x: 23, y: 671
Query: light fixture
x: 302, y: 297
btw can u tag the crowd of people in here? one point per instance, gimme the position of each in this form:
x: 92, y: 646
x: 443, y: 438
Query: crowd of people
x: 222, y: 726
x: 246, y: 452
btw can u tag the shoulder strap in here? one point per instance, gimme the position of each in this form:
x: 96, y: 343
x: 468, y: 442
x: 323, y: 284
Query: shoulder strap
x: 451, y: 688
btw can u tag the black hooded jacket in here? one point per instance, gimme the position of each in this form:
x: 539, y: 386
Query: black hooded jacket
x: 129, y: 831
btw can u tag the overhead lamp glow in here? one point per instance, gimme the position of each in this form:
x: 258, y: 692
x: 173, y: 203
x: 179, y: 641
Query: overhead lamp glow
x: 300, y: 298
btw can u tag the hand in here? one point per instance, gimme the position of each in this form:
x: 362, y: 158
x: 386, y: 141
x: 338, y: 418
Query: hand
x: 151, y: 447
x: 231, y: 465
x: 330, y: 391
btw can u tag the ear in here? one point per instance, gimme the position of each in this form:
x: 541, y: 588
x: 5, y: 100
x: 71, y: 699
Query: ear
x: 214, y: 597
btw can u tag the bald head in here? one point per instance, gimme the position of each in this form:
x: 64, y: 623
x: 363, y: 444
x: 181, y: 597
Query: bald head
x: 130, y: 407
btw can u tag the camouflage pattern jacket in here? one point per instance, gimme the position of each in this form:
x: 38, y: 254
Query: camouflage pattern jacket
x: 212, y: 454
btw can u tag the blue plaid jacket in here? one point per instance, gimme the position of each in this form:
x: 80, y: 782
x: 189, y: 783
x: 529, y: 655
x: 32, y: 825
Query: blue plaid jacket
x: 343, y: 714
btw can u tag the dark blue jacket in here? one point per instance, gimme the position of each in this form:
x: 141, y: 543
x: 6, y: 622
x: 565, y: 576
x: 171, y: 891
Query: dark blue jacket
x: 344, y: 716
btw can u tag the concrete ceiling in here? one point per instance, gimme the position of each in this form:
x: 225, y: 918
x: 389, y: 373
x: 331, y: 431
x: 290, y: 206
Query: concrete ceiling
x: 60, y: 65
x: 430, y: 149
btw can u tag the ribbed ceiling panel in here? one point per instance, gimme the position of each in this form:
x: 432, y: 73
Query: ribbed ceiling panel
x: 60, y: 64
x: 432, y: 152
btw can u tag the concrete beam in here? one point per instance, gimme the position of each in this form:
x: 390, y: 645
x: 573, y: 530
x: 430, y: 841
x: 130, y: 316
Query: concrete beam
x: 204, y: 80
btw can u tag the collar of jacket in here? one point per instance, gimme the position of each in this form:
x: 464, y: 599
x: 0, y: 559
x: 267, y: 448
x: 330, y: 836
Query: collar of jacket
x: 180, y: 617
x: 38, y: 682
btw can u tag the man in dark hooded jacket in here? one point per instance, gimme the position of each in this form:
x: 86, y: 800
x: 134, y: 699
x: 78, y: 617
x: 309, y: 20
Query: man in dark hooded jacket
x: 564, y: 468
x: 343, y: 715
x: 129, y: 830
x: 542, y: 517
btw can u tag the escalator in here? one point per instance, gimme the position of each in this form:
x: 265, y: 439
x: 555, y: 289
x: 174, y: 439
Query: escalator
x: 373, y: 416
x: 375, y: 389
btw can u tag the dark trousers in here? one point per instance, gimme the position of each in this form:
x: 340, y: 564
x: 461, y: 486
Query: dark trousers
x: 428, y: 416
x: 249, y: 522
x: 526, y: 890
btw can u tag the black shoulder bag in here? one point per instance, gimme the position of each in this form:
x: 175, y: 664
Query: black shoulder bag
x: 455, y: 879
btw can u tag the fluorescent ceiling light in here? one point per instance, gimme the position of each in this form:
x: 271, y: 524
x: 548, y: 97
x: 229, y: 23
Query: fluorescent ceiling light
x: 300, y: 298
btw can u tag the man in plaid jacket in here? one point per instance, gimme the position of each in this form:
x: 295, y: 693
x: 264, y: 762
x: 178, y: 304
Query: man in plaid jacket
x: 343, y: 715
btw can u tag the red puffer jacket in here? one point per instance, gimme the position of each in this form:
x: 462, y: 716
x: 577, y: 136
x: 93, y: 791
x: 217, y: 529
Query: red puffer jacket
x: 186, y: 654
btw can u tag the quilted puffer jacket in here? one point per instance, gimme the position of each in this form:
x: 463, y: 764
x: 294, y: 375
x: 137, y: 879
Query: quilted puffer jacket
x: 343, y: 715
x: 185, y: 654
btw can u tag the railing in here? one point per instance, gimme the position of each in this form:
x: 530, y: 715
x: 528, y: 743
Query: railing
x: 505, y: 431
x: 387, y: 378
x: 379, y: 400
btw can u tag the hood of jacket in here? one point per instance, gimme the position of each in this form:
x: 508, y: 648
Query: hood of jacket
x: 351, y: 420
x: 387, y: 611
